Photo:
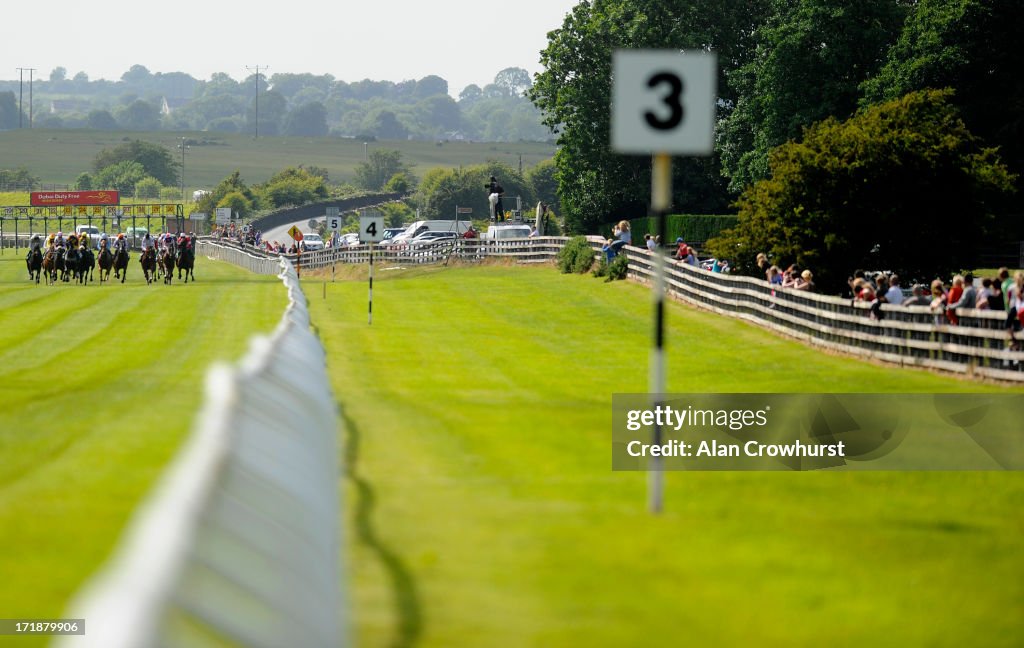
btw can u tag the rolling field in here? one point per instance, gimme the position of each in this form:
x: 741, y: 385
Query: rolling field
x: 60, y: 155
x: 99, y: 386
x: 482, y: 510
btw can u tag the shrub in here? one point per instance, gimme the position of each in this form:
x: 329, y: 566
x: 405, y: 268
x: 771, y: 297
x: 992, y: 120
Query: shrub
x: 577, y: 256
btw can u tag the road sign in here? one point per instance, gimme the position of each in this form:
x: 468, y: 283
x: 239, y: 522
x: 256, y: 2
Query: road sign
x: 295, y: 233
x: 332, y: 210
x: 245, y: 228
x: 371, y: 228
x: 333, y: 222
x: 197, y: 216
x: 463, y: 210
x: 663, y: 101
x: 223, y: 215
x: 312, y: 223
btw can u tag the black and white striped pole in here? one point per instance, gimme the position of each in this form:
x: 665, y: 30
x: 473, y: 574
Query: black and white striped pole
x: 371, y: 230
x: 663, y: 103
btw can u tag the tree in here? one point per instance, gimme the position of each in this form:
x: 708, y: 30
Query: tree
x: 155, y: 160
x: 902, y: 185
x: 58, y: 74
x: 574, y: 93
x: 384, y: 124
x: 309, y: 120
x: 378, y: 168
x: 401, y: 183
x: 101, y: 120
x: 429, y: 86
x: 542, y: 177
x: 237, y: 202
x: 136, y: 75
x: 229, y: 185
x: 293, y: 186
x: 442, y: 190
x: 812, y: 57
x: 122, y: 176
x: 470, y: 94
x: 84, y: 182
x: 272, y: 109
x: 148, y: 188
x: 139, y: 115
x: 970, y: 46
x: 439, y: 113
x: 8, y: 110
x: 514, y: 80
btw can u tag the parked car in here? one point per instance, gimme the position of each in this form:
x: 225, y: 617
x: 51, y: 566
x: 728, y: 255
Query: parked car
x: 312, y: 242
x: 495, y: 232
x: 93, y: 232
x: 433, y: 237
x: 350, y: 239
x: 135, y: 235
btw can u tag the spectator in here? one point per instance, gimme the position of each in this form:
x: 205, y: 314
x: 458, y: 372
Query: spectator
x: 969, y: 296
x: 939, y: 300
x: 918, y: 297
x: 806, y: 281
x: 1005, y: 282
x: 470, y: 233
x: 863, y: 291
x: 681, y: 248
x: 624, y: 234
x: 791, y: 276
x: 894, y: 295
x: 996, y: 299
x: 609, y: 249
x: 981, y: 303
x: 775, y: 276
x: 762, y: 262
x: 720, y: 265
x: 651, y: 244
x: 691, y: 258
x: 1015, y: 314
x: 882, y: 288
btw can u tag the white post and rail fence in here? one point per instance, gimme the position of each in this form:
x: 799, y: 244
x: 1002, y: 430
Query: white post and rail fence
x: 239, y: 544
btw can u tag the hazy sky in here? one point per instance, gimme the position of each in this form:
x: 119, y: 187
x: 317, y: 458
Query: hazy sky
x: 460, y: 40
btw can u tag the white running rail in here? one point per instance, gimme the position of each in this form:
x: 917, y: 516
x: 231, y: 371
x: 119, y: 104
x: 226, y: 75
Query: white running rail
x: 239, y: 544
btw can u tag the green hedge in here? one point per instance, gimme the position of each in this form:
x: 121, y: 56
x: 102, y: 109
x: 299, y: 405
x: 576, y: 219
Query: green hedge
x: 694, y: 228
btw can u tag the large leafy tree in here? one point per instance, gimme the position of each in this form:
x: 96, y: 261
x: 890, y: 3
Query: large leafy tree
x: 154, y: 159
x: 8, y: 110
x: 442, y: 190
x: 574, y: 93
x: 379, y: 167
x: 970, y: 46
x: 902, y: 185
x: 811, y: 57
x: 309, y: 120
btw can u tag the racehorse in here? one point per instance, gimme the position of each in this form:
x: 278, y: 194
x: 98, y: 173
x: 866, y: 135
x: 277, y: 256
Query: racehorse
x: 121, y: 264
x: 167, y: 261
x: 34, y: 261
x: 72, y: 265
x: 186, y: 261
x: 50, y: 266
x: 61, y: 264
x: 87, y: 264
x: 148, y: 262
x: 106, y: 261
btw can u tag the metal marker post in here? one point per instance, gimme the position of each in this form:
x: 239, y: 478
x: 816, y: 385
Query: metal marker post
x: 369, y: 316
x: 661, y: 198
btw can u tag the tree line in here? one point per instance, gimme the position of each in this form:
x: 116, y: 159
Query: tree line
x: 287, y: 104
x: 846, y: 133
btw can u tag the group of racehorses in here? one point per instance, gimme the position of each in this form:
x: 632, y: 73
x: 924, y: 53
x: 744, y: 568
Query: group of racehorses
x: 68, y: 264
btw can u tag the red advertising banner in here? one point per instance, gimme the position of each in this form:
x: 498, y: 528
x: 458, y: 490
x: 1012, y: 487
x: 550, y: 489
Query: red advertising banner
x: 57, y: 198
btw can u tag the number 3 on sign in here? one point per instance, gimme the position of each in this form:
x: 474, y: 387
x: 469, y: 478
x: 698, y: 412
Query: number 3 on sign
x: 371, y: 229
x: 663, y: 101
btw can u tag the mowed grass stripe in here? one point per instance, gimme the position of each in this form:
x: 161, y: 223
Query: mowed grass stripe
x: 79, y: 451
x: 483, y: 511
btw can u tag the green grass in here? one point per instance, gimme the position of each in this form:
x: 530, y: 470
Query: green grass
x: 482, y: 510
x: 58, y: 156
x: 100, y: 384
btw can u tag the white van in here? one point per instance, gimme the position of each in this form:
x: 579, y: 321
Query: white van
x: 419, y: 227
x: 498, y: 232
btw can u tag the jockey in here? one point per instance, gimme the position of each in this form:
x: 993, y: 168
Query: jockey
x: 35, y: 243
x: 59, y: 240
x: 49, y: 241
x: 83, y: 239
x: 192, y: 241
x: 121, y: 243
x: 72, y: 241
x: 104, y: 239
x: 148, y: 243
x: 167, y: 241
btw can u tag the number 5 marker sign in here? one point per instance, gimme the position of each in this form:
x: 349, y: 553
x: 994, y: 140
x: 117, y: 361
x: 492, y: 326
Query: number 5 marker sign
x: 663, y: 101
